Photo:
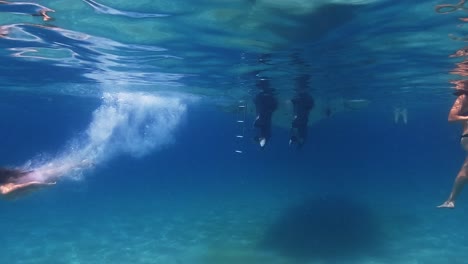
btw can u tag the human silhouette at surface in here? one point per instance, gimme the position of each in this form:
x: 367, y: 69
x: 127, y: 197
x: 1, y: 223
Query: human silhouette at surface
x: 265, y: 105
x: 302, y: 105
x: 400, y: 114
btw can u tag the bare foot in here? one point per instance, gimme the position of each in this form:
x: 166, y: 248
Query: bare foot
x: 448, y: 204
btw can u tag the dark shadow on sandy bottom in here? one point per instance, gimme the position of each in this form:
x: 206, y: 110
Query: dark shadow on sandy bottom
x: 331, y: 229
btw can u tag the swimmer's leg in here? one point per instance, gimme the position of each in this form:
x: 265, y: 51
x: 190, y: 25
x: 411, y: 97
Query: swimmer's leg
x: 404, y: 115
x: 460, y: 181
x: 396, y: 115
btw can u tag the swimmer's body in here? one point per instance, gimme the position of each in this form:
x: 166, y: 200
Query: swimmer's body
x: 17, y: 181
x: 26, y: 8
x: 459, y: 113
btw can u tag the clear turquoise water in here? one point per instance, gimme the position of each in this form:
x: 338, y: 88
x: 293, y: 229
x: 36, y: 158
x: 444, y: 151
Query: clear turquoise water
x: 149, y: 91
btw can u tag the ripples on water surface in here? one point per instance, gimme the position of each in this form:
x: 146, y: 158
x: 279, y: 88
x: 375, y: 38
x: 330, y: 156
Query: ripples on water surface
x: 358, y: 48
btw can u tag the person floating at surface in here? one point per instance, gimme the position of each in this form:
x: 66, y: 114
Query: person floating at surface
x: 302, y: 105
x: 26, y: 8
x: 43, y: 14
x: 265, y: 105
x: 400, y: 112
x: 14, y: 181
x: 459, y: 113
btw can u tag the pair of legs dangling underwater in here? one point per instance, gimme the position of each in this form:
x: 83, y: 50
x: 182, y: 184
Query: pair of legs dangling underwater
x: 302, y: 105
x: 266, y: 104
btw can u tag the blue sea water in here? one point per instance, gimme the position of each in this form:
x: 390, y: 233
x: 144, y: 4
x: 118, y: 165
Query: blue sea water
x: 149, y: 92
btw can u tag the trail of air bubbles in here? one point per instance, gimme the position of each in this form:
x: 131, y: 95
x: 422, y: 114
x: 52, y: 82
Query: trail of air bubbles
x: 126, y: 123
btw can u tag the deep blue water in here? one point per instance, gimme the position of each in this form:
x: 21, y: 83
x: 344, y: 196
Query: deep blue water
x: 149, y: 92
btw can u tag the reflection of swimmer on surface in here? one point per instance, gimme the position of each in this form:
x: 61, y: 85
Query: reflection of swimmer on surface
x: 400, y: 112
x: 43, y: 14
x: 14, y: 182
x: 302, y: 104
x: 3, y: 31
x: 26, y: 8
x: 265, y: 105
x: 459, y: 113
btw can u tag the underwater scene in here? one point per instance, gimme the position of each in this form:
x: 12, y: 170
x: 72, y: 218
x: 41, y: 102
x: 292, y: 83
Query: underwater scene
x: 233, y: 132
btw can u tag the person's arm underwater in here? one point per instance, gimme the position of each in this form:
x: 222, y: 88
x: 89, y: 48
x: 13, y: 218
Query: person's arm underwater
x: 454, y: 114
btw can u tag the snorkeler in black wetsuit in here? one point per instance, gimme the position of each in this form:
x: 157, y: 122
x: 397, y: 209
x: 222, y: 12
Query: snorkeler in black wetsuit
x: 302, y: 105
x: 265, y: 105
